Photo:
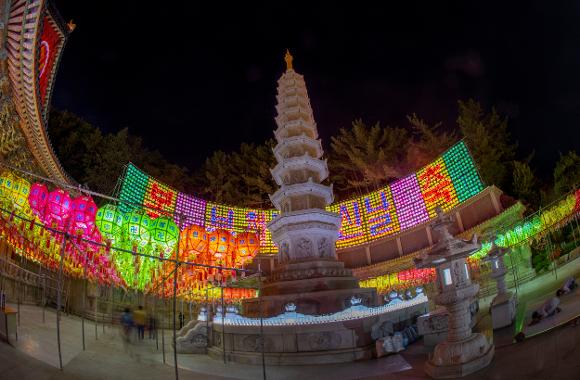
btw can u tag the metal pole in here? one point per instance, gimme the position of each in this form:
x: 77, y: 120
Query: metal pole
x: 58, y: 300
x: 96, y: 310
x: 155, y: 323
x: 262, y: 340
x: 43, y: 298
x: 163, y: 338
x: 174, y: 310
x: 223, y: 324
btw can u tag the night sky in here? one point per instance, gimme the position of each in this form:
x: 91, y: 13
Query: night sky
x: 191, y: 78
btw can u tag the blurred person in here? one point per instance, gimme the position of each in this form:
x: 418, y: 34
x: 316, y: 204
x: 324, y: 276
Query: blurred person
x: 140, y: 317
x: 548, y: 308
x: 568, y: 285
x: 126, y: 324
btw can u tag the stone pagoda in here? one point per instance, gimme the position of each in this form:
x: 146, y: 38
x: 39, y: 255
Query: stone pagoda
x: 463, y: 352
x: 308, y: 273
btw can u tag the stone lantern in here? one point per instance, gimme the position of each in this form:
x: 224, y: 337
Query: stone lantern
x: 463, y: 352
x: 503, y: 306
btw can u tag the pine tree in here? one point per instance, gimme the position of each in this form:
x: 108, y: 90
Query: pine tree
x: 567, y: 173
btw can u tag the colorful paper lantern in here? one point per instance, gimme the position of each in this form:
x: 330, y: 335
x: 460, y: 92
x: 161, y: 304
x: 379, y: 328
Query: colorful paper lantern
x: 164, y: 235
x: 6, y: 183
x: 109, y: 221
x: 196, y: 241
x: 37, y: 198
x: 58, y: 208
x: 136, y: 228
x: 19, y: 195
x: 220, y: 244
x: 83, y: 212
x: 247, y: 247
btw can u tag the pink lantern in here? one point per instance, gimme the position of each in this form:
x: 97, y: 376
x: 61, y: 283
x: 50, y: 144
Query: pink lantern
x: 83, y: 212
x: 37, y: 199
x: 58, y: 208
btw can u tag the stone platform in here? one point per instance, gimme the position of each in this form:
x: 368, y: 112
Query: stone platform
x: 316, y: 286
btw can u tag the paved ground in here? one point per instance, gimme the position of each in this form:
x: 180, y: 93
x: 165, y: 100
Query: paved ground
x: 553, y: 355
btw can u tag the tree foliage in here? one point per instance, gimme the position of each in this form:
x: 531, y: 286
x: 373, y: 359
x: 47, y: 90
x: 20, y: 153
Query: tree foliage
x: 97, y: 160
x: 567, y: 173
x: 362, y: 158
x: 488, y: 139
x: 524, y: 183
x: 428, y: 142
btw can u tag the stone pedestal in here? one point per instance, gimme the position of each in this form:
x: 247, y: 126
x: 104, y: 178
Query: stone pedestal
x: 503, y: 310
x: 316, y: 286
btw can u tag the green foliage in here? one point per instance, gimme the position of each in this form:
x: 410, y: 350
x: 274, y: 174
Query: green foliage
x: 567, y: 173
x: 241, y: 178
x: 488, y: 139
x: 524, y: 183
x: 363, y: 158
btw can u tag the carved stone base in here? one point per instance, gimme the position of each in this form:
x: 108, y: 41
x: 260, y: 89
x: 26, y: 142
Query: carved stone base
x: 313, y: 303
x: 503, y: 310
x: 458, y: 359
x: 195, y: 339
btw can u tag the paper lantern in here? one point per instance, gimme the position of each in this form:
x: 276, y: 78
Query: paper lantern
x: 247, y: 246
x: 58, y: 208
x: 219, y: 244
x: 83, y: 212
x: 37, y: 199
x: 6, y: 183
x: 109, y: 221
x: 19, y: 195
x: 164, y: 235
x: 196, y: 241
x: 136, y: 228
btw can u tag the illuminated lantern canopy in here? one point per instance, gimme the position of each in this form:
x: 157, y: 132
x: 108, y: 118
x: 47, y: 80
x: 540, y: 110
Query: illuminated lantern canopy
x: 83, y: 215
x: 20, y: 192
x: 219, y: 245
x: 247, y: 247
x: 109, y: 221
x: 37, y: 199
x: 196, y: 241
x: 58, y: 208
x: 164, y: 235
x: 136, y: 228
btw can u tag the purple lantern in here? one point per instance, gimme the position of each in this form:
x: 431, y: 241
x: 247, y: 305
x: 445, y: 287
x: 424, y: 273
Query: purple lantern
x: 37, y: 199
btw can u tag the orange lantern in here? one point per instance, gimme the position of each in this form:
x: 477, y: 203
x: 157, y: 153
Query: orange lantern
x: 196, y: 241
x: 220, y: 245
x: 247, y: 247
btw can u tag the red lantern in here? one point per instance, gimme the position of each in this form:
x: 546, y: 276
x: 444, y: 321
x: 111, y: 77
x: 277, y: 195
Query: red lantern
x: 37, y: 199
x: 58, y: 208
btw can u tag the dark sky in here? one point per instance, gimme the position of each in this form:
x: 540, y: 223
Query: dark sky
x: 194, y: 78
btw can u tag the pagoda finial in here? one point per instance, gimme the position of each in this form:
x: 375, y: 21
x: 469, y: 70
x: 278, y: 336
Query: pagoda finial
x: 288, y: 58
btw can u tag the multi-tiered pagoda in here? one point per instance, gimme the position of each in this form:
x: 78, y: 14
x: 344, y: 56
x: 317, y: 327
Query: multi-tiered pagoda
x: 308, y: 274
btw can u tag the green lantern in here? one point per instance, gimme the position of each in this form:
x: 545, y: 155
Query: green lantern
x: 164, y: 235
x: 109, y: 220
x: 136, y: 228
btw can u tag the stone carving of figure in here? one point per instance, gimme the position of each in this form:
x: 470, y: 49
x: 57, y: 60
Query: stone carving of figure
x: 304, y: 248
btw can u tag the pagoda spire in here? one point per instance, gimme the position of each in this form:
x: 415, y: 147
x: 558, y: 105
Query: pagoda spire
x: 288, y: 58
